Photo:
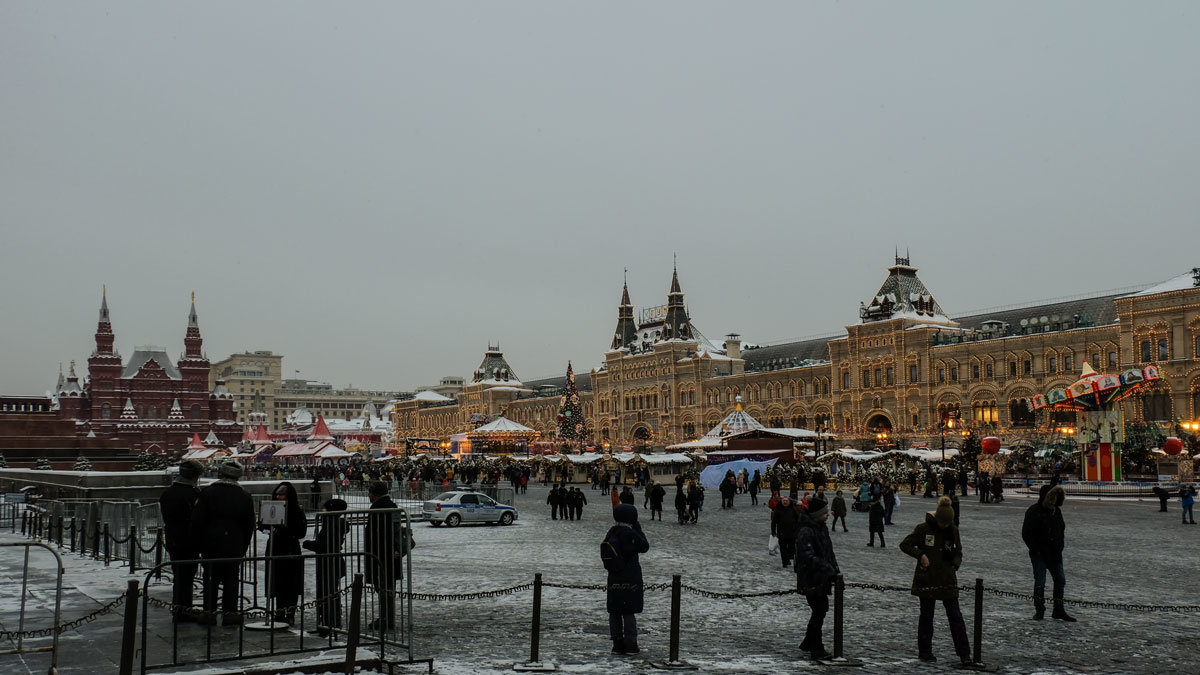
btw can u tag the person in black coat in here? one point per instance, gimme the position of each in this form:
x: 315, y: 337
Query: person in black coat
x: 330, y: 535
x: 728, y: 488
x: 619, y: 552
x: 816, y: 570
x: 554, y: 499
x: 1163, y: 496
x: 875, y: 522
x: 1044, y: 533
x: 387, y: 551
x: 285, y: 578
x: 681, y: 504
x: 755, y: 486
x: 657, y: 494
x: 785, y: 521
x: 578, y: 501
x: 176, y: 504
x: 223, y: 521
x: 694, y: 499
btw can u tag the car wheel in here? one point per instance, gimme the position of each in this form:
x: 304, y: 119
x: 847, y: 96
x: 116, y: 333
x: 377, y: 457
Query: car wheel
x: 453, y: 520
x: 506, y: 519
x: 435, y: 523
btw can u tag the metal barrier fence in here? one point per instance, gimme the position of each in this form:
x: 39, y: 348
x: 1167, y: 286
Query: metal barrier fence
x: 20, y: 635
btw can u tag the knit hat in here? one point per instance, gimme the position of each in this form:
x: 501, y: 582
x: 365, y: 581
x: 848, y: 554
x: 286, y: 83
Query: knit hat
x: 944, y: 513
x: 817, y: 506
x: 231, y: 469
x: 190, y: 470
x: 625, y: 513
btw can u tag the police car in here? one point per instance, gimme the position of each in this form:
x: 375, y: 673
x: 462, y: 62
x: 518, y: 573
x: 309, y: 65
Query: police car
x: 464, y: 506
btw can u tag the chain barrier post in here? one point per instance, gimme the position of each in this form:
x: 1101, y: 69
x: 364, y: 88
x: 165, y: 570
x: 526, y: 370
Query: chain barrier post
x: 74, y: 527
x: 133, y: 549
x: 24, y: 523
x: 356, y: 591
x: 839, y: 590
x: 158, y: 551
x: 676, y: 584
x: 96, y: 542
x: 536, y: 630
x: 107, y: 546
x: 130, y: 629
x: 60, y: 531
x: 978, y: 655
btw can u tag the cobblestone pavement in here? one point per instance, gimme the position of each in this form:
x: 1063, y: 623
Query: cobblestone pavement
x: 1116, y: 551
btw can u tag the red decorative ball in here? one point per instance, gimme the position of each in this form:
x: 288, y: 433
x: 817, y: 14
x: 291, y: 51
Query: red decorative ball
x: 1173, y: 446
x: 990, y: 445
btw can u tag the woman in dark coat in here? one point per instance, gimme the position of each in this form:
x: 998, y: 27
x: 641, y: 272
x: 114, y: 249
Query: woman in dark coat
x: 331, y: 533
x: 936, y: 546
x: 875, y: 522
x: 619, y: 551
x: 755, y: 486
x: 681, y: 504
x: 285, y: 578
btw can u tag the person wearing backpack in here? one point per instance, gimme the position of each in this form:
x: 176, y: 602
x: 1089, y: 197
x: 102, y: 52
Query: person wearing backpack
x: 619, y: 552
x: 387, y: 541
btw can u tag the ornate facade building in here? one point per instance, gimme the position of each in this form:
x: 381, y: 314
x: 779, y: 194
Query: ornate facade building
x: 148, y: 402
x: 905, y: 368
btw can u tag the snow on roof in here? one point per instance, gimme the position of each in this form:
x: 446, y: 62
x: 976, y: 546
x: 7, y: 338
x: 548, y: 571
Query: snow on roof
x: 300, y: 417
x: 321, y: 431
x: 734, y: 423
x: 507, y: 388
x: 503, y: 425
x: 143, y: 355
x: 666, y: 458
x: 431, y: 396
x: 1180, y: 283
x: 793, y: 432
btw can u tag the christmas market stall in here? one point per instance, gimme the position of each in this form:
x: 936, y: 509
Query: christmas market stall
x: 1174, y: 465
x: 314, y: 450
x: 501, y: 436
x: 1103, y: 432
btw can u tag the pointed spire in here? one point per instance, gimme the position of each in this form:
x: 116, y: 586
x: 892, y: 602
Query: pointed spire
x: 104, y: 318
x: 676, y: 325
x: 321, y: 431
x: 61, y: 381
x: 626, y: 333
x: 193, y: 321
x: 196, y: 443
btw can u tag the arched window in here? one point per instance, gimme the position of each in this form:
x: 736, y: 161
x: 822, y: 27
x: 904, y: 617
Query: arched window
x: 1156, y: 407
x: 1019, y: 413
x: 106, y: 412
x: 1163, y: 350
x: 196, y: 412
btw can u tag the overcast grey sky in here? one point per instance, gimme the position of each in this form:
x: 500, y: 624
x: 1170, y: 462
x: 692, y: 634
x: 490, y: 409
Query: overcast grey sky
x: 376, y: 190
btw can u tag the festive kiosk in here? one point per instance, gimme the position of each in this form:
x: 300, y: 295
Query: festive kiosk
x: 502, y: 436
x: 1174, y: 465
x: 1103, y: 433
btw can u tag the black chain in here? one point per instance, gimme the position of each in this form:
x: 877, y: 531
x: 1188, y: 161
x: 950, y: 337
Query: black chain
x: 447, y: 597
x: 251, y: 613
x: 61, y: 628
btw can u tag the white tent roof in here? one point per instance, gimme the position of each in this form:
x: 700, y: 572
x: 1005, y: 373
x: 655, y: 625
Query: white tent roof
x: 502, y: 424
x: 431, y: 396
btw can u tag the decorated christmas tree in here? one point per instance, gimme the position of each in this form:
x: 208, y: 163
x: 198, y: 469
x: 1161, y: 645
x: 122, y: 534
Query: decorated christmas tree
x: 43, y: 464
x: 83, y: 464
x: 572, y: 426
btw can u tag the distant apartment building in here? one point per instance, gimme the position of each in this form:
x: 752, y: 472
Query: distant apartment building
x: 449, y: 386
x: 262, y: 395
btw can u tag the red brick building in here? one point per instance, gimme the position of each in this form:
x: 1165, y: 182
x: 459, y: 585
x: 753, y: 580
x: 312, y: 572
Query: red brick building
x: 148, y: 402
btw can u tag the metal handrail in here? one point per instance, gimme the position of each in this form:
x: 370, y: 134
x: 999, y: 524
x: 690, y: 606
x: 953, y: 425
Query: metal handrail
x: 57, y: 602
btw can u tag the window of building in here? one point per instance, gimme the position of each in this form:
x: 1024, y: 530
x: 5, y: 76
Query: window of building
x: 913, y: 374
x: 1052, y: 365
x: 1196, y: 403
x: 1069, y: 363
x: 891, y: 376
x: 106, y: 412
x: 941, y: 375
x: 1028, y: 367
x: 1020, y: 414
x: 1163, y: 350
x: 691, y: 397
x: 878, y: 378
x: 1145, y: 351
x: 990, y: 370
x: 153, y: 412
x: 1112, y: 356
x: 1012, y: 368
x: 866, y: 378
x: 954, y: 374
x: 196, y: 412
x: 846, y: 380
x: 1156, y: 407
x: 916, y: 420
x: 984, y: 412
x: 974, y: 371
x: 1095, y: 358
x: 1196, y: 348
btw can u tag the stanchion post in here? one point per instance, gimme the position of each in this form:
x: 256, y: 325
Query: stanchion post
x: 60, y: 529
x: 107, y: 546
x: 839, y: 589
x: 356, y: 591
x: 133, y: 549
x: 74, y: 529
x: 536, y: 630
x: 676, y: 588
x: 978, y: 656
x: 158, y: 550
x: 24, y: 523
x: 130, y: 629
x: 96, y: 542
